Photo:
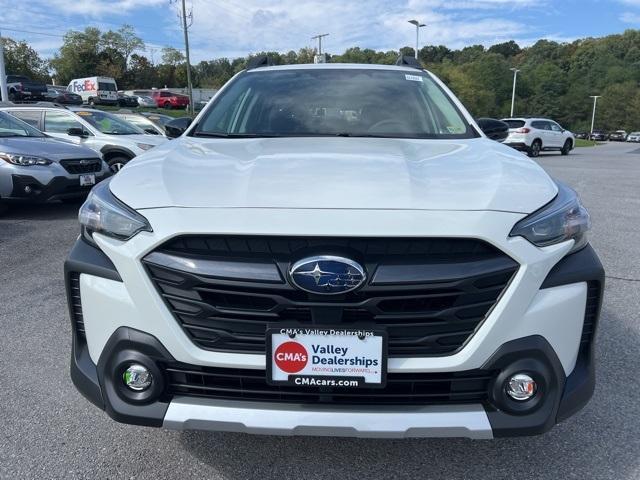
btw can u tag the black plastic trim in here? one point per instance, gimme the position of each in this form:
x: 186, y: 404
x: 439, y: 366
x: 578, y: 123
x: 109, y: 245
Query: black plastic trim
x: 536, y: 357
x: 58, y: 188
x: 582, y: 266
x: 85, y: 258
x: 126, y: 346
x: 108, y: 149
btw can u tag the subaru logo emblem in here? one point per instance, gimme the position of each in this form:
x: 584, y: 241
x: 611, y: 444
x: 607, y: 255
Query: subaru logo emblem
x: 327, y: 275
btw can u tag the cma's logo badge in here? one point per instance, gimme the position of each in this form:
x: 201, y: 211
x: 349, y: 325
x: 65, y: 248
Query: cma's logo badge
x: 327, y: 275
x: 85, y: 86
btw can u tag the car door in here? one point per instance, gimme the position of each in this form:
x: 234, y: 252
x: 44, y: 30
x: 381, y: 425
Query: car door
x: 58, y: 122
x: 557, y: 135
x: 541, y: 132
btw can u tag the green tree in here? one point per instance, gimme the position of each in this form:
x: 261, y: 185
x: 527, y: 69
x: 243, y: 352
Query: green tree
x: 21, y: 59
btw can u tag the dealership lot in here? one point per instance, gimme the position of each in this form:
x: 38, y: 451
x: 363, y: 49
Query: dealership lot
x: 50, y: 431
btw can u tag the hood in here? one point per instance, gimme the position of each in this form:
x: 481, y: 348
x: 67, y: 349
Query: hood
x: 335, y: 173
x: 47, y: 147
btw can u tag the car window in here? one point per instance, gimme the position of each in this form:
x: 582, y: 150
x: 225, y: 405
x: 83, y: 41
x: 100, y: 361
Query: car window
x: 165, y: 94
x: 555, y: 127
x: 16, y: 79
x: 330, y: 102
x: 108, y: 86
x: 140, y: 122
x: 32, y: 117
x: 11, y: 126
x: 514, y: 123
x: 108, y: 123
x: 59, y: 122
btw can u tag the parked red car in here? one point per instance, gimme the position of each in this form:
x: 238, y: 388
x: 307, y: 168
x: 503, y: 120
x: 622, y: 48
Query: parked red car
x: 167, y: 99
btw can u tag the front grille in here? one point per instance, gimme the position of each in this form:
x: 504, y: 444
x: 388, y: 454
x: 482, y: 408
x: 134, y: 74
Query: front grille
x: 430, y: 295
x: 85, y: 165
x: 401, y: 388
x: 76, y: 304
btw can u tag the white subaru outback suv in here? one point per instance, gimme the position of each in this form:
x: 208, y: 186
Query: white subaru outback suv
x: 335, y: 250
x: 534, y: 135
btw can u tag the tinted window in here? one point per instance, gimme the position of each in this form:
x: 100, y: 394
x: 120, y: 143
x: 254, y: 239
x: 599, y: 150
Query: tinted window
x: 166, y: 94
x: 108, y: 86
x: 540, y: 125
x: 330, y: 102
x: 59, y: 122
x: 32, y: 117
x: 555, y: 127
x: 514, y: 123
x: 11, y: 126
x: 16, y: 78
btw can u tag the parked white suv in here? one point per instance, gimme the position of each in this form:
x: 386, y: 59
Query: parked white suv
x: 335, y: 249
x: 115, y: 139
x: 534, y: 135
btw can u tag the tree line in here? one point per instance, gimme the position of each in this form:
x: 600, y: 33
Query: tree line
x: 555, y: 79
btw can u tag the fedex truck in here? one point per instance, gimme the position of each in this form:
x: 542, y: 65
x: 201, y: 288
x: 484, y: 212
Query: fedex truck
x: 95, y: 90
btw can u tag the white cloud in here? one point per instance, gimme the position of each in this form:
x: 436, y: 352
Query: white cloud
x: 223, y: 29
x: 629, y: 17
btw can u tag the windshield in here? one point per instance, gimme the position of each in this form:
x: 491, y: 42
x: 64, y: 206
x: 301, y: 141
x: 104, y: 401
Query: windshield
x: 12, y: 127
x: 334, y: 102
x: 142, y: 122
x: 109, y: 124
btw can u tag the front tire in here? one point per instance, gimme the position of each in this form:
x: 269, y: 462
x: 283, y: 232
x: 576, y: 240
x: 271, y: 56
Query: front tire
x: 167, y: 106
x: 116, y: 163
x: 534, y: 149
x: 566, y: 148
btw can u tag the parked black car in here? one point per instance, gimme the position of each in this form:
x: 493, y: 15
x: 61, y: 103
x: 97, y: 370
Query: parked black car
x: 22, y: 88
x: 618, y: 136
x: 582, y: 135
x: 599, y: 136
x: 61, y: 96
x: 127, y: 100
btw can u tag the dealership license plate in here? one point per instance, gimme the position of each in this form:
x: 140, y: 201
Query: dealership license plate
x: 87, y: 180
x: 326, y: 357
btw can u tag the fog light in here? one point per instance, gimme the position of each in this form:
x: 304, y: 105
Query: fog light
x: 137, y: 377
x: 521, y: 387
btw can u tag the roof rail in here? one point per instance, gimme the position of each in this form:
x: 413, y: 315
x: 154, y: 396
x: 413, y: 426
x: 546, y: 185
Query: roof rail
x: 408, y: 61
x: 36, y: 104
x: 259, y: 62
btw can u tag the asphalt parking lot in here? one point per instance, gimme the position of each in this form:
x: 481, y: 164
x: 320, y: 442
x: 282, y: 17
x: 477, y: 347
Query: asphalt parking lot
x: 47, y: 430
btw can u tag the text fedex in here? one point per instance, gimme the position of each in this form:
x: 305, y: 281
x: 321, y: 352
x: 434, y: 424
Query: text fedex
x: 83, y: 86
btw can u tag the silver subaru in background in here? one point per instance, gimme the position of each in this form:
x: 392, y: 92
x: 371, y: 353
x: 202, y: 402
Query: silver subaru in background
x: 37, y: 168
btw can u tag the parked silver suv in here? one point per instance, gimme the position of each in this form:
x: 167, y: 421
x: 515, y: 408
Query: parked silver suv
x: 115, y: 139
x: 37, y: 168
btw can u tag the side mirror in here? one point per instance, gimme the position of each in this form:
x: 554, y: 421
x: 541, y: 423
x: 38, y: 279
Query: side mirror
x: 494, y: 129
x: 77, y: 132
x: 151, y: 131
x: 177, y: 127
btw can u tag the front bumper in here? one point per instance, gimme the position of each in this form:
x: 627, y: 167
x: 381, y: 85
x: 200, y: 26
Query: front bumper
x: 30, y: 189
x: 547, y: 339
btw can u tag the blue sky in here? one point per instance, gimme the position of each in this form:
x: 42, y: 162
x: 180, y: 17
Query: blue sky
x: 228, y: 28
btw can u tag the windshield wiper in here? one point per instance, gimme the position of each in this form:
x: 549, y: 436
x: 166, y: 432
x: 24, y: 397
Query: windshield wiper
x: 236, y: 135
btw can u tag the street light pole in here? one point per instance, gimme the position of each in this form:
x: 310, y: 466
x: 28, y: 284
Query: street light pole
x: 418, y: 27
x: 319, y: 38
x: 3, y: 77
x: 513, y: 93
x: 593, y: 115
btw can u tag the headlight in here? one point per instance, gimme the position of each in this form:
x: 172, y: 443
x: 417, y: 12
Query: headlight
x: 105, y: 214
x: 24, y: 160
x: 145, y: 146
x: 565, y: 218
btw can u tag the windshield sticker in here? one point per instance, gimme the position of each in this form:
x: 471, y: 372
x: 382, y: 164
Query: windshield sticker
x: 414, y: 78
x: 85, y: 114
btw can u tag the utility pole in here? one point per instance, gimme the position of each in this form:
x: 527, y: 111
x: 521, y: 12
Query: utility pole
x: 593, y: 116
x: 185, y: 29
x: 3, y: 76
x: 418, y: 27
x: 319, y: 38
x: 513, y: 93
